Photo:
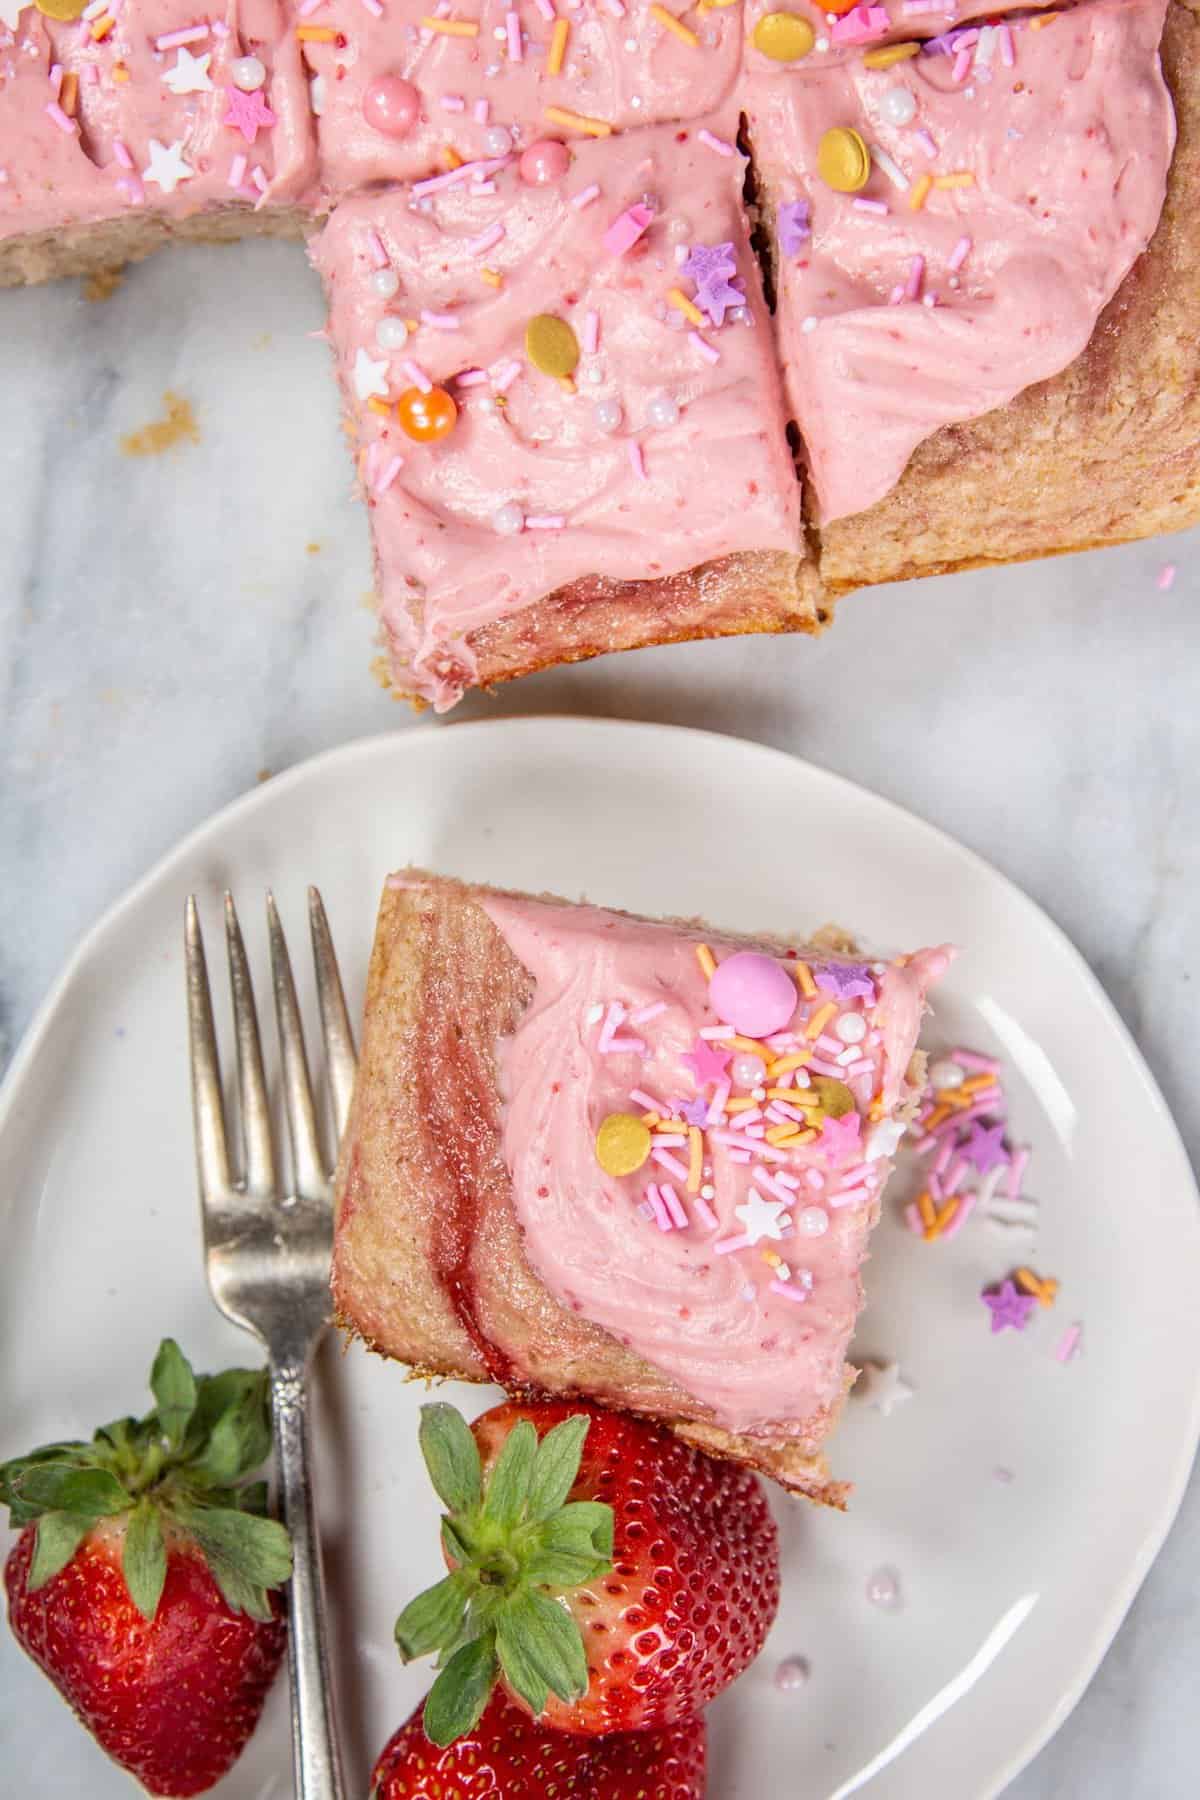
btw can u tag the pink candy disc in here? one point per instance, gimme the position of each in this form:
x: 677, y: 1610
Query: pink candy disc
x: 753, y: 994
x: 391, y: 105
x: 543, y: 162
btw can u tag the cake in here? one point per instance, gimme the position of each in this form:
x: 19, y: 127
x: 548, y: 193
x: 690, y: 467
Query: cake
x: 637, y: 1161
x: 659, y: 321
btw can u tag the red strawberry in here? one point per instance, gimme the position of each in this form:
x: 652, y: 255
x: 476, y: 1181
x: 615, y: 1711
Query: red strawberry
x: 610, y: 1576
x: 506, y: 1756
x: 141, y: 1581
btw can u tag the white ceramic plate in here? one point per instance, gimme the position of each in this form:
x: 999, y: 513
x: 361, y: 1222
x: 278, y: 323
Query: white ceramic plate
x: 1011, y: 1589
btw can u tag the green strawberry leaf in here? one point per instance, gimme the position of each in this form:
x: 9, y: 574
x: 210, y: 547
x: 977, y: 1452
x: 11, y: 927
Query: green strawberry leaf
x: 259, y: 1550
x: 451, y: 1456
x: 144, y: 1558
x: 548, y: 1640
x: 556, y: 1466
x: 433, y: 1620
x: 72, y: 1454
x: 520, y: 1669
x: 251, y: 1497
x: 62, y: 1487
x: 565, y: 1568
x: 174, y: 1388
x: 240, y: 1595
x: 59, y: 1536
x: 460, y: 1693
x: 508, y: 1484
x: 583, y: 1525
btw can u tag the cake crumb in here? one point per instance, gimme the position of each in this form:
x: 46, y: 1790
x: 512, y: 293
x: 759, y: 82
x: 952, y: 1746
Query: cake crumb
x: 102, y: 284
x: 163, y: 434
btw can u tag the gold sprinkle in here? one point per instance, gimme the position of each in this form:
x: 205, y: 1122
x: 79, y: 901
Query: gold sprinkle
x: 558, y: 47
x: 491, y: 277
x: 919, y: 192
x: 783, y: 36
x: 622, y: 1144
x: 707, y: 961
x: 669, y: 22
x: 120, y: 71
x: 889, y: 56
x: 464, y: 28
x: 688, y: 308
x: 960, y: 178
x: 551, y: 345
x: 573, y: 121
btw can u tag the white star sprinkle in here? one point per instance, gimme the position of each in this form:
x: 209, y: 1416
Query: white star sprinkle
x: 883, y: 1139
x: 190, y: 74
x: 10, y: 12
x: 762, y: 1218
x: 166, y: 167
x: 370, y: 377
x: 883, y: 1387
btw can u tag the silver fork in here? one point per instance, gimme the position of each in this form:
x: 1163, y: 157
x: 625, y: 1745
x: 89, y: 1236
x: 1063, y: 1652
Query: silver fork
x: 267, y: 1256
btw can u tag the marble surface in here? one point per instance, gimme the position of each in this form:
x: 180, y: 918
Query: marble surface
x: 173, y: 629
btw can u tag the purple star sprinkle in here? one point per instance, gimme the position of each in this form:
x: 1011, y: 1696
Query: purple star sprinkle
x: 712, y: 267
x: 693, y: 1111
x: 1008, y: 1306
x: 793, y: 222
x: 849, y: 981
x: 984, y: 1146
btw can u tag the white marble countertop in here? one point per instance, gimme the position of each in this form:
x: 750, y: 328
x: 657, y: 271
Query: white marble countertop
x: 172, y: 627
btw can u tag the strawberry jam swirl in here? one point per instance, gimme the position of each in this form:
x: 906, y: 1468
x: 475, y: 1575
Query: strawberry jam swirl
x: 698, y: 1134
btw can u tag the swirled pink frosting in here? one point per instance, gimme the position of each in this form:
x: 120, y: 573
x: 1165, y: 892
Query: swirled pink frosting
x: 759, y: 1358
x: 893, y: 321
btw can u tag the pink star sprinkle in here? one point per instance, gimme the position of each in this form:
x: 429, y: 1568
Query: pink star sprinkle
x: 706, y: 1063
x: 248, y: 113
x: 840, y: 1137
x: 1008, y: 1306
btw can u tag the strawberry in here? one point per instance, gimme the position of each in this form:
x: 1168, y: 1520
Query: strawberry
x: 142, y: 1581
x: 609, y: 1576
x: 506, y: 1755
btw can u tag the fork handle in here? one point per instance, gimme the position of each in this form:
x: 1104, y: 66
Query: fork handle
x: 316, y: 1760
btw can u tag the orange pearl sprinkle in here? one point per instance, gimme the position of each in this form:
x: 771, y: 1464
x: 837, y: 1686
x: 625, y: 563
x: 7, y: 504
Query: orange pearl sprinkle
x: 426, y: 417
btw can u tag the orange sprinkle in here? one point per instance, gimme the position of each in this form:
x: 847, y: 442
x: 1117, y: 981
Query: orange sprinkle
x: 961, y: 178
x: 743, y: 1105
x: 491, y: 277
x: 784, y: 1064
x: 650, y: 1119
x: 779, y: 1135
x: 315, y: 34
x: 68, y: 94
x: 688, y: 308
x: 707, y: 961
x: 464, y: 28
x: 101, y: 28
x: 772, y: 1259
x: 919, y: 192
x: 820, y: 1020
x: 1042, y: 20
x: 750, y: 1046
x: 941, y: 1220
x: 975, y: 1084
x: 695, y: 1158
x: 876, y: 1109
x: 803, y: 974
x: 1043, y: 1288
x: 937, y: 1117
x: 669, y: 22
x: 120, y: 71
x: 926, y: 1209
x: 558, y: 47
x: 377, y: 404
x: 558, y: 115
x: 449, y: 158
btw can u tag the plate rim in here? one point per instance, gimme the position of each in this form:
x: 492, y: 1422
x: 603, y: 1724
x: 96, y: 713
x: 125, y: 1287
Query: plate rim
x: 399, y: 743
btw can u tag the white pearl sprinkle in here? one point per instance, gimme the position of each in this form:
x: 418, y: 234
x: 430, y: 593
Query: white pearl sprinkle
x: 898, y: 106
x: 607, y: 416
x: 946, y: 1073
x: 508, y: 519
x: 663, y: 411
x: 248, y: 73
x: 316, y: 95
x: 851, y: 1028
x: 708, y: 1192
x: 391, y: 333
x: 497, y: 140
x: 812, y: 1221
x: 385, y: 283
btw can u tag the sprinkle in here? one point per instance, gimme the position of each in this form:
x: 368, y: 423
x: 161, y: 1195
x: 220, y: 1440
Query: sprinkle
x: 375, y: 249
x: 961, y: 178
x: 783, y: 1065
x: 672, y: 1163
x: 54, y: 111
x: 890, y: 167
x: 453, y: 103
x: 463, y: 28
x: 585, y: 196
x: 640, y: 1098
x: 719, y: 1102
x: 482, y: 111
x: 237, y: 171
x: 1043, y: 19
x: 450, y: 159
x: 171, y: 40
x: 626, y: 229
x: 558, y: 46
x: 850, y: 1197
x: 674, y: 1206
x: 966, y: 1206
x: 661, y: 1215
x: 962, y: 65
x: 315, y: 34
x: 374, y: 7
x: 870, y: 206
x: 920, y: 192
x: 504, y: 377
x: 707, y: 138
x: 416, y: 374
x: 816, y: 1025
x: 477, y: 245
x: 121, y: 153
x: 803, y: 974
x: 708, y: 351
x: 546, y: 8
x: 738, y: 1141
x: 512, y: 26
x: 704, y: 1212
x: 377, y: 404
x: 970, y: 1059
x: 959, y: 254
x: 1068, y: 1343
x: 637, y: 461
x: 695, y: 1159
x: 69, y: 94
x: 788, y: 1290
x: 724, y: 1246
x: 389, y: 475
x: 916, y: 275
x: 102, y: 27
x: 669, y: 22
x: 1008, y: 55
x: 573, y: 121
x: 1166, y: 578
x: 646, y: 1013
x: 440, y: 321
x: 1043, y: 1288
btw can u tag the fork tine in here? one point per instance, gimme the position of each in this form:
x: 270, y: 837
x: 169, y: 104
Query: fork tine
x: 212, y: 1154
x: 335, y: 1021
x: 252, y: 1086
x: 297, y: 1089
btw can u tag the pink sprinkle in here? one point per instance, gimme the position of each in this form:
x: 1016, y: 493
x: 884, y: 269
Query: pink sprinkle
x: 415, y: 373
x: 1166, y: 578
x: 717, y: 1105
x: 1068, y: 1343
x: 670, y: 1142
x: 646, y: 1101
x: 477, y: 245
x: 482, y: 111
x: 433, y: 184
x: 935, y: 1188
x: 1016, y: 1169
x: 191, y: 34
x: 962, y: 66
x: 788, y: 1291
x: 121, y: 153
x: 966, y: 1206
x: 389, y: 474
x: 959, y: 254
x: 504, y: 377
x: 724, y: 1246
x: 55, y: 112
x: 91, y: 74
x: 708, y: 351
x: 674, y: 1206
x: 661, y: 1215
x: 1008, y: 55
x: 453, y: 103
x: 546, y: 8
x: 624, y: 1043
x: 848, y: 1197
x: 94, y: 8
x: 545, y: 522
x: 626, y: 229
x: 484, y: 187
x: 637, y: 461
x: 913, y: 1219
x: 586, y: 195
x: 970, y: 1059
x: 749, y: 1118
x: 614, y: 1018
x: 954, y: 1178
x: 773, y: 1186
x: 440, y: 321
x: 646, y: 1013
x: 862, y: 1067
x: 717, y: 1033
x: 768, y: 1152
x: 672, y: 1164
x: 258, y: 177
x: 307, y: 7
x: 616, y: 8
x: 986, y: 1103
x: 590, y: 339
x: 512, y: 24
x: 471, y: 378
x: 375, y: 249
x: 926, y: 142
x: 374, y: 8
x: 237, y: 171
x: 56, y: 79
x: 132, y: 189
x: 714, y: 143
x: 704, y: 1212
x: 871, y: 206
x: 792, y: 1182
x: 824, y: 1067
x: 740, y: 1156
x: 896, y: 295
x: 916, y: 275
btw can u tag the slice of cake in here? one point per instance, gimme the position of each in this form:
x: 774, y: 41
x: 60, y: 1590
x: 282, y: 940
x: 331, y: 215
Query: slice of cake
x: 559, y: 373
x: 632, y: 1160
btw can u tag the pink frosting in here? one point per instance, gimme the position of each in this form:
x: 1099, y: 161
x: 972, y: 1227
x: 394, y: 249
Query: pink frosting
x: 651, y: 494
x: 1069, y: 150
x: 756, y: 1357
x: 55, y: 177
